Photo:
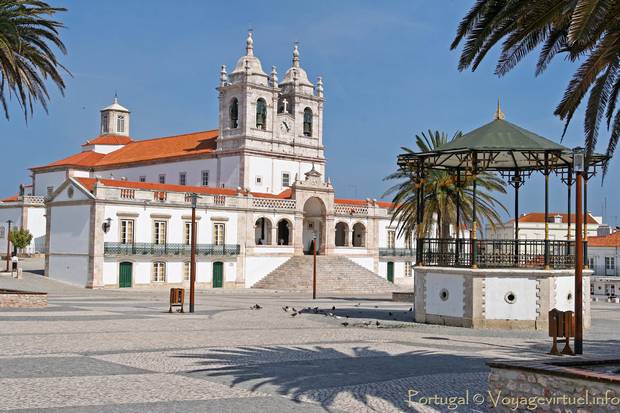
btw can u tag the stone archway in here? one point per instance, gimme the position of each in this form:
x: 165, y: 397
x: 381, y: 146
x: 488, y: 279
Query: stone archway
x: 262, y: 232
x: 285, y: 230
x: 359, y: 235
x: 314, y: 224
x: 342, y: 234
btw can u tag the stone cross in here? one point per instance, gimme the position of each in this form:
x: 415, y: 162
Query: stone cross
x: 285, y: 103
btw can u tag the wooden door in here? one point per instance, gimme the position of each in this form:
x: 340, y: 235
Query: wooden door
x: 218, y: 274
x: 125, y: 274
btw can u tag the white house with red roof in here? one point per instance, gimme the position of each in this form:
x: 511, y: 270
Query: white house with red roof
x: 532, y: 226
x: 118, y: 212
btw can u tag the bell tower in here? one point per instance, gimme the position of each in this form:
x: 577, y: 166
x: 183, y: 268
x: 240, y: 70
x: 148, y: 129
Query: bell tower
x: 114, y: 119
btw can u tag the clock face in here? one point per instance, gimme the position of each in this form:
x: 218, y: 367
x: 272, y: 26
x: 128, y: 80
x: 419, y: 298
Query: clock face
x: 285, y: 127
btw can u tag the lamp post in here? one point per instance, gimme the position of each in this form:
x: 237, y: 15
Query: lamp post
x: 314, y: 267
x: 192, y: 265
x: 579, y: 168
x: 8, y: 245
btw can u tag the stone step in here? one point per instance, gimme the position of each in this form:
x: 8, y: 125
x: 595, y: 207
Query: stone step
x: 334, y: 274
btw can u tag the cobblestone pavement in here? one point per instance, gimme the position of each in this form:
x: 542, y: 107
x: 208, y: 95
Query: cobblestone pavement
x: 121, y: 351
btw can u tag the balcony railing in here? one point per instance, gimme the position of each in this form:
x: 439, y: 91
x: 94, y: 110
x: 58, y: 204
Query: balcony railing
x: 396, y: 252
x: 160, y: 250
x: 496, y: 253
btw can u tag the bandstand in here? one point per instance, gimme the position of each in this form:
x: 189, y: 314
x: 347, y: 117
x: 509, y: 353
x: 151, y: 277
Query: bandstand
x: 491, y: 283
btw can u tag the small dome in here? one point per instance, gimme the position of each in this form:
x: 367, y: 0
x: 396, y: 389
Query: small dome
x: 249, y: 61
x: 296, y: 72
x: 116, y: 106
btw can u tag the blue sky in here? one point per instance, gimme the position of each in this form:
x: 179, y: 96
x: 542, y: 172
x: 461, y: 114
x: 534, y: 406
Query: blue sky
x: 387, y: 68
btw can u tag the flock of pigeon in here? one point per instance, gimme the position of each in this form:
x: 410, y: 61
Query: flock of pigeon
x: 315, y: 310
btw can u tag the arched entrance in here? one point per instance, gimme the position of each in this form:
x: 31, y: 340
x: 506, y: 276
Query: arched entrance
x: 284, y: 232
x: 359, y: 235
x: 314, y: 224
x: 342, y: 234
x: 262, y: 232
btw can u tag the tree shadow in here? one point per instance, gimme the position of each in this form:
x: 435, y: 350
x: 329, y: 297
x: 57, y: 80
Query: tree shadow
x: 345, y: 378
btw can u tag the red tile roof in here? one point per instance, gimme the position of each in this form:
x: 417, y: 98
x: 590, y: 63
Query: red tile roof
x: 9, y: 199
x: 109, y: 140
x: 612, y: 240
x: 89, y: 184
x: 351, y: 201
x: 190, y: 144
x: 539, y: 217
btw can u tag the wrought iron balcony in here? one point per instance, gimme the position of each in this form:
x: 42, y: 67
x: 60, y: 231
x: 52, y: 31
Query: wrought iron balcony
x: 160, y: 250
x: 496, y: 253
x: 396, y: 252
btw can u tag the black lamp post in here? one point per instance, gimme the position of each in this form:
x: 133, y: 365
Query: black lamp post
x: 579, y: 168
x: 192, y: 276
x: 8, y: 245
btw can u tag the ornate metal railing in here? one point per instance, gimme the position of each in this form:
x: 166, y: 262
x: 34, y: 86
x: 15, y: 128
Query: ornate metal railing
x: 496, y: 253
x: 396, y: 252
x: 147, y: 248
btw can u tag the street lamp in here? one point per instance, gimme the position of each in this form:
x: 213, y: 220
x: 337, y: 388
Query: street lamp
x: 314, y: 267
x: 8, y: 245
x: 579, y: 168
x: 192, y: 265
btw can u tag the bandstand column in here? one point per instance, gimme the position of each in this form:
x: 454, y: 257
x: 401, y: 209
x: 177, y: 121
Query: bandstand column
x: 546, y: 210
x: 569, y: 184
x: 585, y: 219
x: 458, y: 215
x: 474, y: 225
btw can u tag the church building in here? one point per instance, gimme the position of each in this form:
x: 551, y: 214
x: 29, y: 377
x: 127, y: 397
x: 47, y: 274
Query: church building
x: 118, y: 213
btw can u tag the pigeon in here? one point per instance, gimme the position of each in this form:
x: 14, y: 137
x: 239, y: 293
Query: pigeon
x: 367, y: 323
x: 376, y: 306
x: 410, y: 309
x: 255, y: 307
x: 293, y: 315
x: 330, y: 314
x: 285, y: 308
x: 357, y: 305
x: 316, y: 310
x: 345, y: 324
x: 294, y: 309
x: 334, y: 308
x: 390, y: 313
x: 377, y: 323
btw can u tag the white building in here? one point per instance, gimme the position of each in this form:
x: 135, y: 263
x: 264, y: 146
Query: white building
x: 118, y: 211
x: 532, y: 226
x: 603, y: 256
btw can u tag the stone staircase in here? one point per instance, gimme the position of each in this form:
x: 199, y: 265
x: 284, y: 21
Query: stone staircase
x: 335, y: 274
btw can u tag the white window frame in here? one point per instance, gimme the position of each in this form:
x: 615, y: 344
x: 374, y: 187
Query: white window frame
x: 158, y: 225
x: 204, y: 178
x: 120, y: 123
x: 408, y: 268
x: 219, y: 233
x: 142, y: 178
x: 162, y: 178
x: 105, y: 127
x: 50, y: 190
x: 391, y: 238
x: 126, y: 231
x: 158, y: 272
x: 2, y: 232
x: 182, y: 178
x: 288, y: 179
x: 610, y: 263
x: 259, y: 180
x: 187, y: 232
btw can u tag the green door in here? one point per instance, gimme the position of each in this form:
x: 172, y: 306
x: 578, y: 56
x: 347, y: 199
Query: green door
x: 390, y: 271
x: 124, y: 275
x: 218, y: 274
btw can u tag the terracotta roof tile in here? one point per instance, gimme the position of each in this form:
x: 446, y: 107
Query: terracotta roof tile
x: 351, y: 201
x: 612, y: 240
x: 9, y: 199
x: 189, y: 144
x: 89, y: 184
x: 109, y: 140
x: 539, y: 217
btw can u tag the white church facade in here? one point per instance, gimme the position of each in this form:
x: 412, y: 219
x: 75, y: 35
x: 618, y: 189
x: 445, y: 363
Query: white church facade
x: 117, y: 214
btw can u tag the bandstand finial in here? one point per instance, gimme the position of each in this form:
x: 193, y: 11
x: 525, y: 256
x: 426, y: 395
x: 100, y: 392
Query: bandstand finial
x: 498, y: 113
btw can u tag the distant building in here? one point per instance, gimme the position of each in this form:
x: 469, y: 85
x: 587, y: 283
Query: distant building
x: 532, y: 226
x: 603, y: 254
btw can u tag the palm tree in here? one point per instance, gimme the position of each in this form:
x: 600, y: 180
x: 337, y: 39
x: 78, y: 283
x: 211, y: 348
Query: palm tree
x: 27, y: 60
x: 441, y: 195
x: 578, y: 29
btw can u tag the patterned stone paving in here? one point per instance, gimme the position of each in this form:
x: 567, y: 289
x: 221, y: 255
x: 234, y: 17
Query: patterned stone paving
x: 120, y: 351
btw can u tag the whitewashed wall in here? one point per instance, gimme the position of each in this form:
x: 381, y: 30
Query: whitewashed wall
x: 193, y: 170
x: 453, y: 306
x: 44, y: 179
x: 497, y: 308
x: 257, y: 268
x: 564, y: 286
x: 36, y: 226
x: 271, y: 170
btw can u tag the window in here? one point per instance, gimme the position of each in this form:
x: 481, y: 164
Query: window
x: 233, y: 113
x: 259, y: 180
x: 591, y: 260
x: 50, y: 190
x: 120, y: 124
x: 127, y: 231
x: 182, y: 178
x: 391, y: 239
x: 408, y: 243
x: 187, y: 232
x: 307, y: 122
x: 186, y: 270
x: 159, y: 272
x: 205, y: 178
x: 286, y: 179
x: 162, y: 179
x: 407, y: 268
x: 159, y: 232
x: 219, y: 235
x: 104, y: 124
x: 610, y: 263
x: 2, y: 232
x: 142, y: 179
x: 261, y: 114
